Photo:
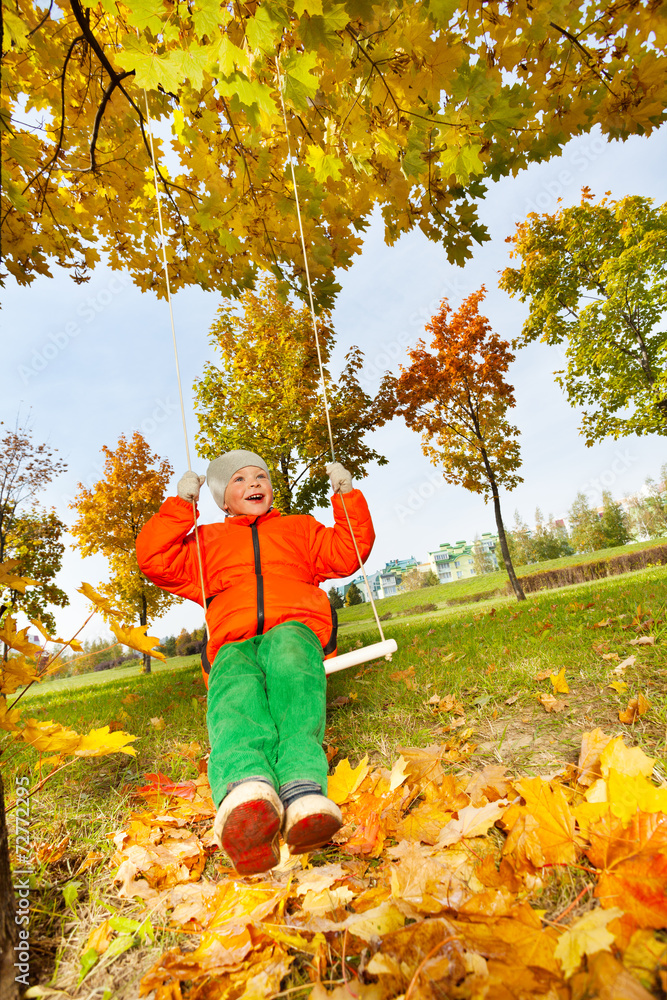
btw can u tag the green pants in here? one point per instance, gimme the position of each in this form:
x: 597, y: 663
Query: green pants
x: 267, y: 709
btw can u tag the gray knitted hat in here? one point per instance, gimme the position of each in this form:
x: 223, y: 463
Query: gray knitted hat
x: 221, y: 470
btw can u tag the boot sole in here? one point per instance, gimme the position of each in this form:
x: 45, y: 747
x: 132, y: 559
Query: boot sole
x: 250, y: 837
x: 312, y: 832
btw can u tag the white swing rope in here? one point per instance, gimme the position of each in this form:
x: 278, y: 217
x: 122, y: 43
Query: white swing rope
x: 361, y: 655
x: 163, y: 245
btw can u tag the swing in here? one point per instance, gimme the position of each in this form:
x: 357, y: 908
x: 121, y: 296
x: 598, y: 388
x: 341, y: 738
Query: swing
x: 356, y: 656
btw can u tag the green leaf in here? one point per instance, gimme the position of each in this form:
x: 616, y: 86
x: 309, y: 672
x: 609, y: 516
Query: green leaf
x: 193, y: 63
x: 151, y: 69
x: 71, y: 893
x: 146, y: 14
x: 119, y: 945
x: 142, y: 929
x: 88, y: 960
x: 209, y: 18
x: 322, y: 29
x: 323, y: 165
x: 230, y: 56
x: 442, y: 10
x: 262, y: 31
x: 299, y: 81
x: 248, y: 92
x: 462, y: 162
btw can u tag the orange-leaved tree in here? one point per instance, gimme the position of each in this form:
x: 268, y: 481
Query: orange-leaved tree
x: 111, y: 515
x: 456, y: 395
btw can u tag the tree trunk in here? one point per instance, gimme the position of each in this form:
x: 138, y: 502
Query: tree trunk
x: 143, y: 618
x: 8, y: 985
x: 502, y: 538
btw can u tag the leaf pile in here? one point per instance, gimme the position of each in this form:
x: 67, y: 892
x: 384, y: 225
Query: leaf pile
x: 434, y: 888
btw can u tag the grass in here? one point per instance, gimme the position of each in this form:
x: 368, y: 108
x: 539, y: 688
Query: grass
x: 114, y: 675
x: 495, y: 584
x: 485, y: 655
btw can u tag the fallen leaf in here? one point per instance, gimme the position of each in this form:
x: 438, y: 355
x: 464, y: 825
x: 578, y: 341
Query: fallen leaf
x: 559, y: 683
x: 158, y: 723
x: 512, y: 699
x: 473, y: 821
x: 99, y: 938
x: 643, y: 640
x: 407, y: 676
x: 551, y: 704
x: 608, y: 980
x: 611, y: 656
x: 621, y: 667
x: 585, y: 936
x: 636, y: 708
x: 625, y: 760
x: 618, y: 686
x: 345, y: 780
x: 542, y: 675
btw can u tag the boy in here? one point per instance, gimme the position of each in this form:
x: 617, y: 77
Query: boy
x: 270, y: 625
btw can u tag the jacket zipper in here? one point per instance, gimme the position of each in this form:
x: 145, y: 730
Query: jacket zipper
x: 260, y: 578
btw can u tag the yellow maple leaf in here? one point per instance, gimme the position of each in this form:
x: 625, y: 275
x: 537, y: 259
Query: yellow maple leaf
x: 7, y: 578
x: 473, y: 821
x: 15, y: 639
x: 101, y: 603
x: 585, y: 936
x: 15, y: 673
x: 559, y: 683
x: 76, y: 646
x: 136, y: 638
x: 319, y: 903
x: 49, y: 736
x: 8, y: 717
x: 100, y: 742
x: 627, y: 795
x: 345, y: 780
x: 625, y: 760
x: 618, y: 686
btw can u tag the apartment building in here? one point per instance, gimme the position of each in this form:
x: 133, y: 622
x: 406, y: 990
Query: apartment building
x: 457, y: 562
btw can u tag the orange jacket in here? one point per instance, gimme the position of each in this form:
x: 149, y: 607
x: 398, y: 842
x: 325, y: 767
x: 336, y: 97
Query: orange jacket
x: 258, y: 571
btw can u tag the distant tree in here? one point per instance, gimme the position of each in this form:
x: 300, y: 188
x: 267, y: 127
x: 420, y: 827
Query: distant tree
x: 111, y: 515
x: 168, y: 646
x: 335, y: 600
x: 414, y: 580
x: 457, y: 397
x: 430, y: 579
x: 481, y: 558
x: 585, y: 530
x: 595, y: 277
x: 648, y: 512
x: 34, y: 544
x: 27, y: 532
x: 263, y: 393
x: 614, y: 522
x: 549, y: 540
x: 519, y: 542
x: 353, y: 596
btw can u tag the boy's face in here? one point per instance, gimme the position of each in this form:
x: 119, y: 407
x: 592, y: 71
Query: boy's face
x: 248, y: 492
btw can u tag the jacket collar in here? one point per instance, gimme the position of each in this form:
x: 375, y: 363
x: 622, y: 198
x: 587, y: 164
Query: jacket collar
x: 245, y: 520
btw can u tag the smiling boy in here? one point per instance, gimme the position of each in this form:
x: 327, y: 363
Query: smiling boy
x: 270, y: 624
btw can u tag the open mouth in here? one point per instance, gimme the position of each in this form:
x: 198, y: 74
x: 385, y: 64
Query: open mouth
x: 255, y: 497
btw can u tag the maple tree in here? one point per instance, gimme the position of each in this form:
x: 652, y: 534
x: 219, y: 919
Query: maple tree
x: 110, y: 516
x: 264, y: 394
x: 456, y: 396
x: 412, y: 106
x: 29, y: 535
x: 594, y: 278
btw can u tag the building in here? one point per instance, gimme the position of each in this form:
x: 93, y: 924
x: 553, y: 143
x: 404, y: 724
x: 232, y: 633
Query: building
x: 457, y: 562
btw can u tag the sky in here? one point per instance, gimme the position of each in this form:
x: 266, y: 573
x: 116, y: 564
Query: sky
x: 91, y: 362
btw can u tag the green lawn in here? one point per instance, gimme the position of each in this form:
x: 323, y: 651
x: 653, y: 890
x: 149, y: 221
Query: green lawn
x: 101, y: 677
x: 495, y: 584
